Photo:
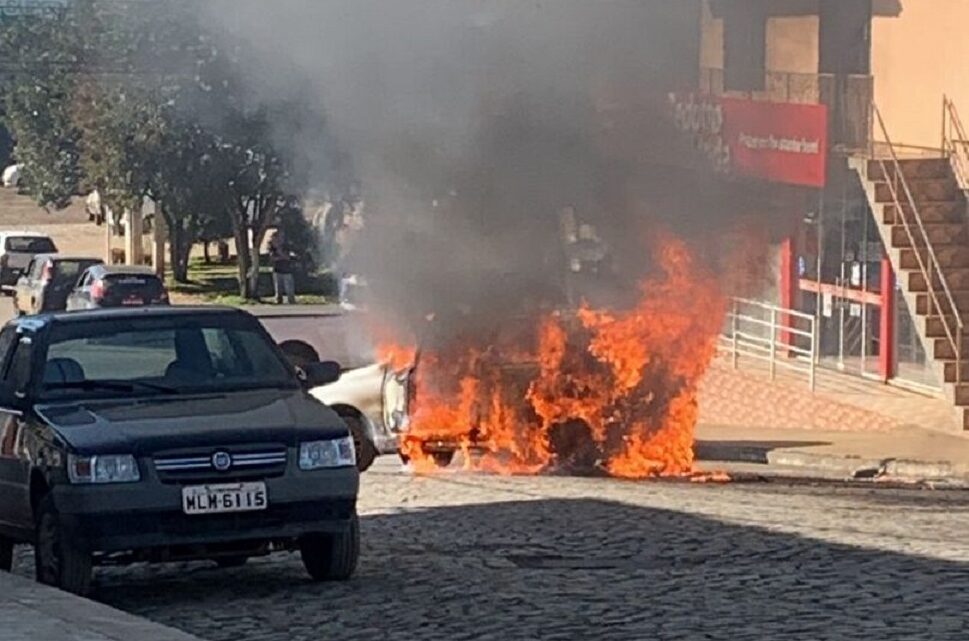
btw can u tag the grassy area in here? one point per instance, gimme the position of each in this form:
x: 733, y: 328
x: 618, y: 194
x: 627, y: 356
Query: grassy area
x: 218, y: 283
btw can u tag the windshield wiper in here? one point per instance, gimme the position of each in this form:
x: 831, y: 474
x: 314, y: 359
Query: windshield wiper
x: 120, y: 386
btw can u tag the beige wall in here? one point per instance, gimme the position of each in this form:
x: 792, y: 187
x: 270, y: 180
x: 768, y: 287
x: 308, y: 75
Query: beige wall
x: 917, y: 57
x: 711, y: 40
x: 792, y: 44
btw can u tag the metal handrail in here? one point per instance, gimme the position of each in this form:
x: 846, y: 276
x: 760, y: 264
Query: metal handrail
x: 741, y: 338
x: 898, y: 186
x: 955, y: 142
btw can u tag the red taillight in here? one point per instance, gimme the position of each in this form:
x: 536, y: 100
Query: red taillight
x: 97, y: 290
x: 47, y: 274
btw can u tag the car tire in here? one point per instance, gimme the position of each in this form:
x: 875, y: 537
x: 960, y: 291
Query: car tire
x: 364, y: 447
x: 443, y: 459
x: 6, y: 554
x: 226, y: 562
x: 58, y: 562
x: 332, y: 557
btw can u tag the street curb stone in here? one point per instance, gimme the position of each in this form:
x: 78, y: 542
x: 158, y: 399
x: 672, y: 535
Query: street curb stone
x: 847, y: 465
x: 29, y: 610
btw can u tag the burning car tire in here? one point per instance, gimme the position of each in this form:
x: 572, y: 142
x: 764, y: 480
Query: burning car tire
x: 576, y: 452
x: 332, y: 557
x: 443, y: 459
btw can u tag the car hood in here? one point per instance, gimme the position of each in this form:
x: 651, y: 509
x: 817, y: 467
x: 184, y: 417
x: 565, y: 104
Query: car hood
x: 147, y: 425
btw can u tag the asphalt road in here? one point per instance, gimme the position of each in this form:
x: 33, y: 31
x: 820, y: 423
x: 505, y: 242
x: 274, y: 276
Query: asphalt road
x: 464, y: 556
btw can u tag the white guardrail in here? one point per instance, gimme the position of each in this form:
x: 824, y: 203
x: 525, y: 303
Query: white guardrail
x: 782, y: 337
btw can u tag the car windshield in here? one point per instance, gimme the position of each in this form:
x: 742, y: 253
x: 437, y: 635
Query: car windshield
x: 119, y: 283
x: 71, y: 268
x: 30, y: 245
x: 172, y: 355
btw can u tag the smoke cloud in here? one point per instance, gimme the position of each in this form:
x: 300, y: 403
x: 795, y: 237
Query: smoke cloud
x: 470, y: 124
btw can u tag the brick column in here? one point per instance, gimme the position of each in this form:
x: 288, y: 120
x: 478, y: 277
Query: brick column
x: 886, y: 325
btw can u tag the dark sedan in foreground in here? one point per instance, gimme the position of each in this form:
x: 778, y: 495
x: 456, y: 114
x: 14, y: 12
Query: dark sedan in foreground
x: 164, y: 434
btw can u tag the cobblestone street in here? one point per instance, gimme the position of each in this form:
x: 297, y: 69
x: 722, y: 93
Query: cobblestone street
x: 476, y: 557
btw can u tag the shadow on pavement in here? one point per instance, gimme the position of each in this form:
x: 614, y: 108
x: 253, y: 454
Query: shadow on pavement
x: 745, y: 451
x: 564, y: 569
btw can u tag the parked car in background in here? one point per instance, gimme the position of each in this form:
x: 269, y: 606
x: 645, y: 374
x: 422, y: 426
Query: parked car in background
x: 167, y: 434
x: 117, y: 286
x: 17, y: 249
x: 48, y: 281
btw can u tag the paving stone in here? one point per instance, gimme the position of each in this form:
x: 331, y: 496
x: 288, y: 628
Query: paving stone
x: 617, y: 560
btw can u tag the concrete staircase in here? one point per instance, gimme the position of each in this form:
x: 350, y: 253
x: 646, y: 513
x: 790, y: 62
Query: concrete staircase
x: 941, y: 205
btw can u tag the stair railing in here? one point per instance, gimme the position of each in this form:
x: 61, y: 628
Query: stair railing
x: 782, y: 337
x: 955, y: 142
x: 908, y: 212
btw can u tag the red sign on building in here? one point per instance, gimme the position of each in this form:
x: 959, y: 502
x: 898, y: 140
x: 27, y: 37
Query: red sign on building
x: 781, y: 142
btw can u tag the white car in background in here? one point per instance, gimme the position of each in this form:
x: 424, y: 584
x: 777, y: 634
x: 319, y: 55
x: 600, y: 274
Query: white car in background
x: 371, y: 396
x: 372, y: 400
x: 17, y: 249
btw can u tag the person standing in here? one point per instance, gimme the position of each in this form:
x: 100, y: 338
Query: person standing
x: 284, y: 283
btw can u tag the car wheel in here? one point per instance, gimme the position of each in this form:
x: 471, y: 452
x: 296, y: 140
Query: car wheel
x: 442, y: 459
x: 226, y: 562
x: 332, y: 557
x: 366, y: 452
x: 6, y: 554
x: 57, y: 561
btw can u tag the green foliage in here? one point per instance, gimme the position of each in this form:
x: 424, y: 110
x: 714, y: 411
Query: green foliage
x: 135, y: 100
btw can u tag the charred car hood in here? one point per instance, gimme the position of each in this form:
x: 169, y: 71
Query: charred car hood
x: 147, y: 425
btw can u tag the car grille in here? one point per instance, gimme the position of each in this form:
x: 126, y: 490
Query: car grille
x: 199, y: 467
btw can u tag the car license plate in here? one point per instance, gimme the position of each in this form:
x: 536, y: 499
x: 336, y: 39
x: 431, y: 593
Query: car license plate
x: 229, y: 497
x: 133, y: 300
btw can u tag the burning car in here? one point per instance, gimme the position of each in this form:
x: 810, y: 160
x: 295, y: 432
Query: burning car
x: 580, y: 385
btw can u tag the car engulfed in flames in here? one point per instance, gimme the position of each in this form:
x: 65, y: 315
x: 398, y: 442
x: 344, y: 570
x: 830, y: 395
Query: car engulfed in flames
x: 575, y: 390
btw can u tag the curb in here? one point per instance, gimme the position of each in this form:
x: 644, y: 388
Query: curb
x: 854, y: 467
x: 33, y: 611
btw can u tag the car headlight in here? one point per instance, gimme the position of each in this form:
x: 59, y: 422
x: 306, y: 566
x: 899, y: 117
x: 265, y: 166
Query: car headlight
x: 115, y: 468
x: 337, y: 452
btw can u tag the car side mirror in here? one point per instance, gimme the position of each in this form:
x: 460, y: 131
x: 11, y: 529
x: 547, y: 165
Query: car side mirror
x: 322, y: 373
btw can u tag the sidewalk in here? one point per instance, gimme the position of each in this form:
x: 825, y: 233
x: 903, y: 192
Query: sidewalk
x: 32, y: 612
x: 847, y: 428
x: 904, y: 453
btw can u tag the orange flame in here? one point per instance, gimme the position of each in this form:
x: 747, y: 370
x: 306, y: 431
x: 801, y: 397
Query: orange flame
x: 614, y: 390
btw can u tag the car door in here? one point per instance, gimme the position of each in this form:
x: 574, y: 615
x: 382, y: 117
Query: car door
x: 15, y: 352
x: 78, y: 296
x: 22, y: 290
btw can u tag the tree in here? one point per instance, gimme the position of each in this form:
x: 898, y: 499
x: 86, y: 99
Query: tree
x: 38, y: 101
x: 134, y: 100
x: 258, y: 193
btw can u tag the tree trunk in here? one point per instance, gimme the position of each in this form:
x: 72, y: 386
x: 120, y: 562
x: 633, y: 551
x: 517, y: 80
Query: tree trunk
x: 180, y: 247
x: 242, y: 259
x: 256, y: 261
x: 205, y: 252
